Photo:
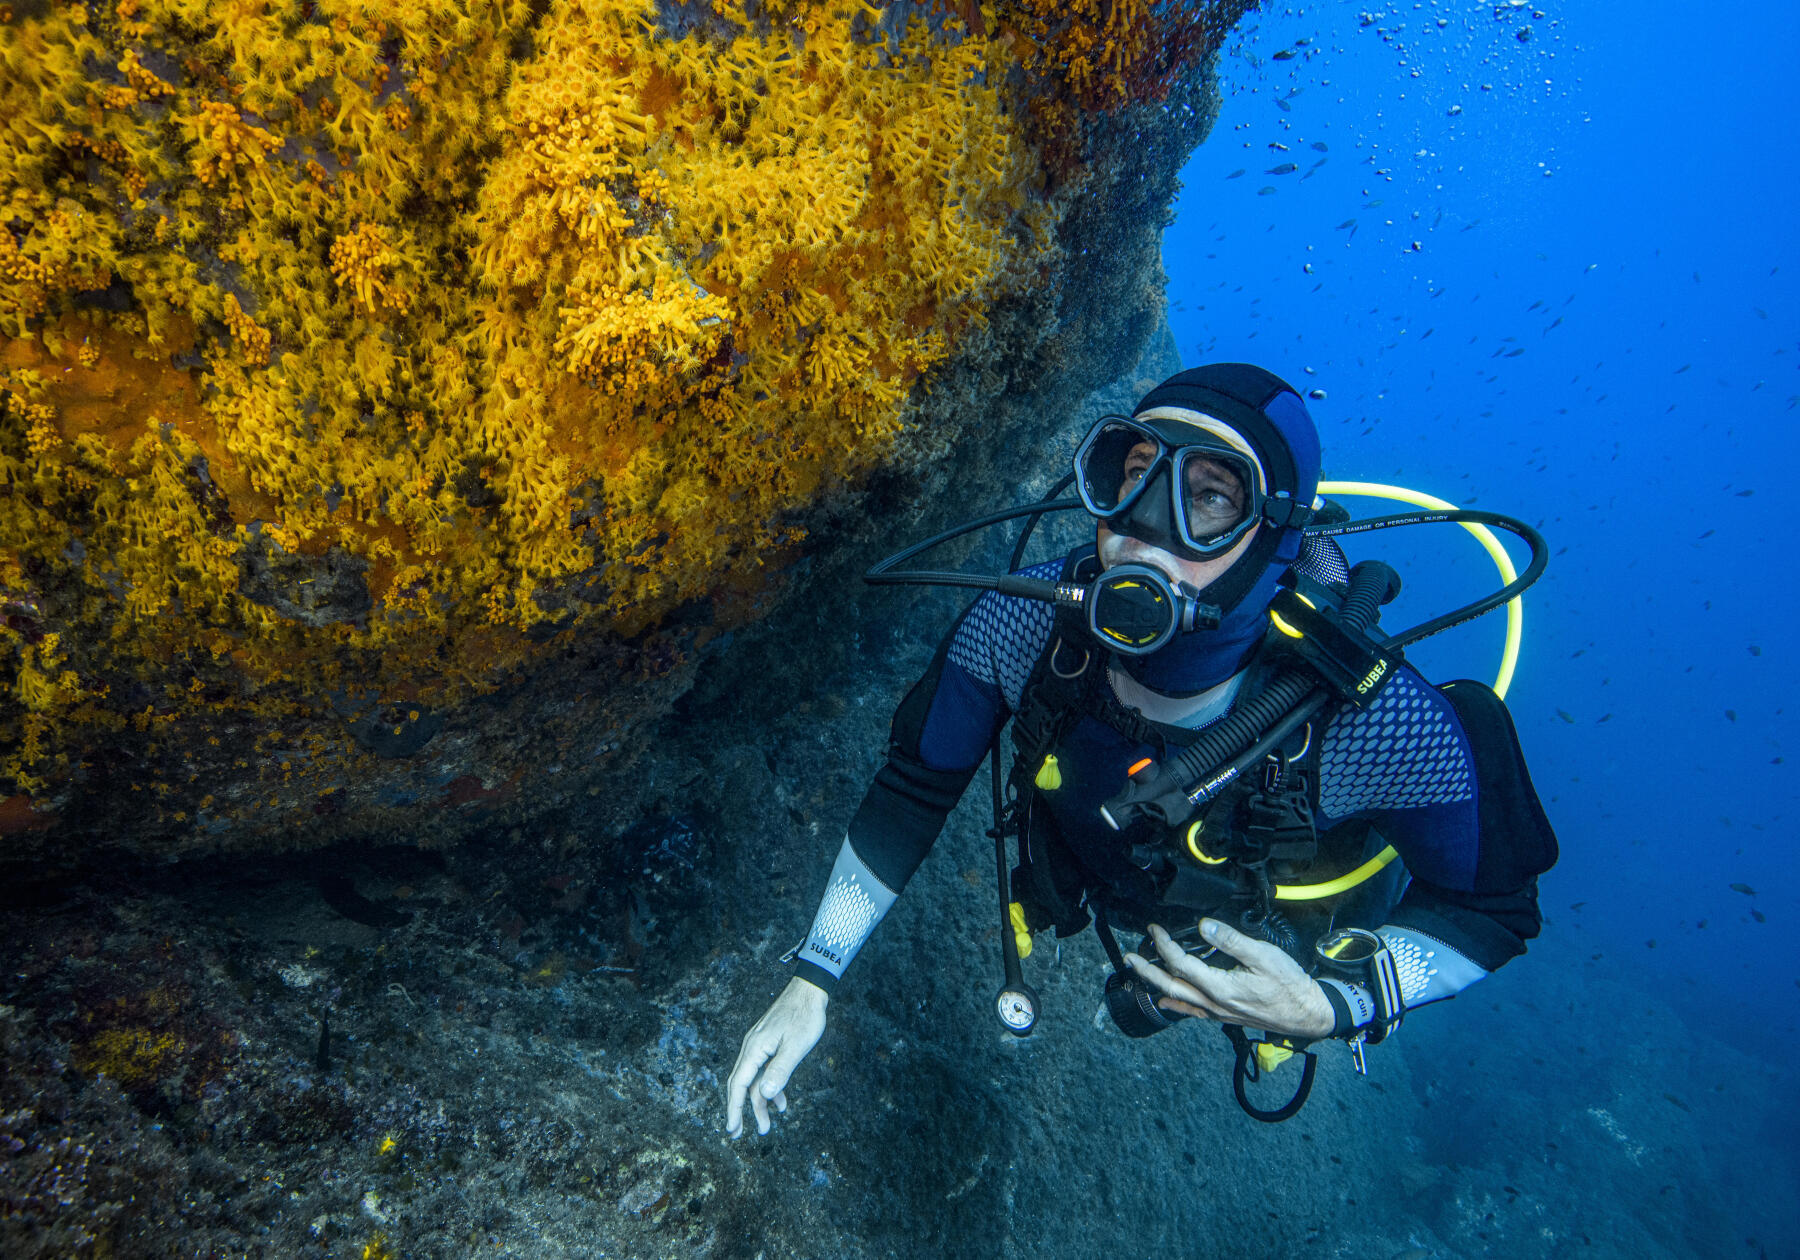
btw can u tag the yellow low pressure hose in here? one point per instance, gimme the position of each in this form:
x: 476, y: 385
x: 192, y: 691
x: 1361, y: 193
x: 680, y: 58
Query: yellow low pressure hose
x: 1515, y: 607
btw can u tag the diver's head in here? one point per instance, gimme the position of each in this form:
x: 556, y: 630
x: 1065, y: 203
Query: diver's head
x: 1209, y: 481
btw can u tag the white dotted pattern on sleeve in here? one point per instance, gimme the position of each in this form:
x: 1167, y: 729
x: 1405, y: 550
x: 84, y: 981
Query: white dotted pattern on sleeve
x: 1403, y: 752
x: 846, y: 913
x: 1429, y: 969
x: 854, y: 902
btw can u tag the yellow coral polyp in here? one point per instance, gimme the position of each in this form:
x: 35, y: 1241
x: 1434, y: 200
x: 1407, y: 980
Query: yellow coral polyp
x: 364, y: 263
x: 224, y: 141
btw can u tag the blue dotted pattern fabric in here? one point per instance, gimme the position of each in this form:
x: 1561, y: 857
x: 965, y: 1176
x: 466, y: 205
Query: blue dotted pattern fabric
x: 1405, y: 751
x: 1001, y: 637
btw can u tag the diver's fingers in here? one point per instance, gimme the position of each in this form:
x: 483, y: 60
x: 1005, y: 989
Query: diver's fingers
x: 1211, y: 980
x: 751, y: 1057
x: 1162, y: 980
x: 787, y: 1057
x: 1178, y: 959
x: 1187, y: 1008
x: 759, y: 1106
x: 1247, y: 950
x: 780, y: 1101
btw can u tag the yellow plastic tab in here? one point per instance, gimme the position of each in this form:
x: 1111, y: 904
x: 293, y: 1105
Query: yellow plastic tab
x: 1049, y: 775
x: 1021, y: 933
x: 1270, y: 1056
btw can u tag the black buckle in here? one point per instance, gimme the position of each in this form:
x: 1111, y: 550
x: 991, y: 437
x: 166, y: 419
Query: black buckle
x: 1352, y: 662
x: 1285, y: 513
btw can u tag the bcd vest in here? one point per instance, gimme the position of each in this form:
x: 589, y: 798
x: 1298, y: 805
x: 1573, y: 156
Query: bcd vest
x: 1074, y: 742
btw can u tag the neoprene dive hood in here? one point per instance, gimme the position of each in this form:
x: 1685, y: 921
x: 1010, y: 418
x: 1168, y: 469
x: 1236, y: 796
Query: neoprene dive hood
x: 1258, y: 413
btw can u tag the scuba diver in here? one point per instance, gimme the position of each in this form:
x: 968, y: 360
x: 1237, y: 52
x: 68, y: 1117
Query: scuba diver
x: 1216, y: 747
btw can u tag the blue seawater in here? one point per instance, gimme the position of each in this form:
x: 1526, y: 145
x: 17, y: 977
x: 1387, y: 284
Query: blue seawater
x: 1541, y: 259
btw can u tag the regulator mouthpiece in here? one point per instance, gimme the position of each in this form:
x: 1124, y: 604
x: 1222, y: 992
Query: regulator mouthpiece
x: 1134, y: 609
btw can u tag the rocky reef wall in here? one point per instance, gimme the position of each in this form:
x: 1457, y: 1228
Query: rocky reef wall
x: 399, y: 401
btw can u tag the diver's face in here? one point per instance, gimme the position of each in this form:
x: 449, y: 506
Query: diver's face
x: 1212, y: 491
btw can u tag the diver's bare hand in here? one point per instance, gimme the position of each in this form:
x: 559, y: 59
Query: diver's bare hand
x: 772, y: 1050
x: 1267, y: 990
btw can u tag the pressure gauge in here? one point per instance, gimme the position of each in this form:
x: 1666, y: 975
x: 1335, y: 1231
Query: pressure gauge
x: 1017, y: 1007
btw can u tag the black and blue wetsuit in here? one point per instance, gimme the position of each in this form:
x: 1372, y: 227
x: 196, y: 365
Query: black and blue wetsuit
x: 1406, y: 763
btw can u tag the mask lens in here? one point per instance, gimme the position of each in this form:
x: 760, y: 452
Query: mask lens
x: 1113, y: 463
x: 1216, y: 497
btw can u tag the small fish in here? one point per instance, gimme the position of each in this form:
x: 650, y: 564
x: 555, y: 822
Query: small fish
x: 1322, y: 147
x: 1317, y: 395
x: 1286, y: 54
x: 1745, y: 889
x: 1566, y: 716
x: 1604, y: 717
x: 1755, y: 650
x: 1235, y: 174
x: 1701, y: 924
x: 1535, y: 306
x: 1576, y: 905
x: 1286, y: 168
x: 1745, y: 494
x: 1731, y: 715
x: 1265, y: 191
x: 1513, y: 354
x: 1678, y: 371
x: 1675, y: 1100
x: 1759, y: 916
x: 1347, y: 223
x: 1282, y: 105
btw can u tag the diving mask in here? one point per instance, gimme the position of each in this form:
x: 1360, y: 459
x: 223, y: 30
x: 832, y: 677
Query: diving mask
x: 1188, y: 492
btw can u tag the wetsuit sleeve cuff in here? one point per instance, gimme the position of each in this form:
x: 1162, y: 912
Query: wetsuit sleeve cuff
x: 805, y: 969
x: 1352, y: 1006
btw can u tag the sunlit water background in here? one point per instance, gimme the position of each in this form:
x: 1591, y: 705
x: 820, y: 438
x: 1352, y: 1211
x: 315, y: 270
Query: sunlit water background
x: 1539, y: 258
